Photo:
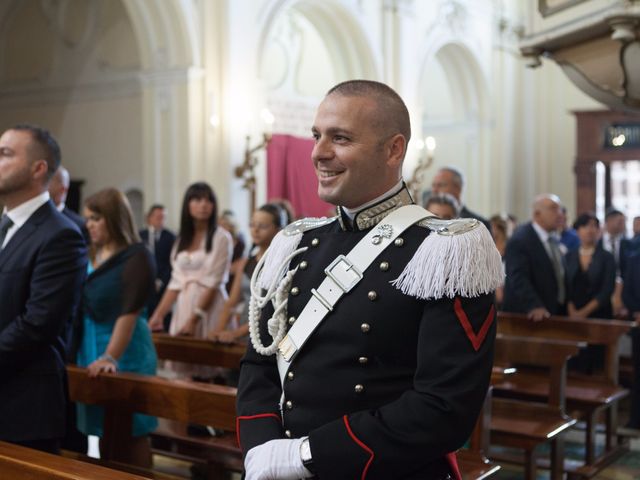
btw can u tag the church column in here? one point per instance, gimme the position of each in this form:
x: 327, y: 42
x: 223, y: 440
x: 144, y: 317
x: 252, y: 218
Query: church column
x: 172, y: 149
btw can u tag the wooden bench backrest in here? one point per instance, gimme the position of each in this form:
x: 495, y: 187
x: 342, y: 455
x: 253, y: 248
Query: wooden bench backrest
x: 122, y: 394
x: 539, y: 352
x: 21, y: 462
x: 191, y: 402
x: 198, y: 351
x: 589, y: 330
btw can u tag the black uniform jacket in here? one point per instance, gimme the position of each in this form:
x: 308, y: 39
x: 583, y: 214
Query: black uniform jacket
x: 387, y: 385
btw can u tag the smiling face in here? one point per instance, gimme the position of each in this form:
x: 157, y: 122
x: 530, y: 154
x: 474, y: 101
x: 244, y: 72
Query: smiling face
x: 355, y: 160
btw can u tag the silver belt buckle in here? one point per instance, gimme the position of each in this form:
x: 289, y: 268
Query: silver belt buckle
x: 343, y: 273
x: 287, y: 348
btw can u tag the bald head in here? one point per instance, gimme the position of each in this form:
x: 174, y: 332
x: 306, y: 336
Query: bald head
x: 547, y: 211
x: 392, y: 115
x: 448, y: 180
x: 59, y: 185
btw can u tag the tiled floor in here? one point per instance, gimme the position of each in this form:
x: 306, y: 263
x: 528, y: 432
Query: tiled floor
x: 625, y: 468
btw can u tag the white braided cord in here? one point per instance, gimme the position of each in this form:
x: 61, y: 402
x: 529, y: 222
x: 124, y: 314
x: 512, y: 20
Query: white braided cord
x: 277, y: 293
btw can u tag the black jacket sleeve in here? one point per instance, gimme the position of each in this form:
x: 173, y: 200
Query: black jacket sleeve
x: 455, y: 357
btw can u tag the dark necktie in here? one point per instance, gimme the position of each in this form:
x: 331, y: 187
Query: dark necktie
x: 152, y: 241
x: 5, y: 225
x: 556, y: 260
x: 613, y: 242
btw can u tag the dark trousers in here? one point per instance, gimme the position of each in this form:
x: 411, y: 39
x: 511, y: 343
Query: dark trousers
x: 51, y: 445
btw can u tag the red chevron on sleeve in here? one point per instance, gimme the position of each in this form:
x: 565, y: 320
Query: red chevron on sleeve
x: 475, y: 339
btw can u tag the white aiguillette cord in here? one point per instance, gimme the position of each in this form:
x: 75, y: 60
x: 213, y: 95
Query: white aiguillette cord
x: 343, y: 274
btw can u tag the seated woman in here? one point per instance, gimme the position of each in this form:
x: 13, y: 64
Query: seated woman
x: 444, y: 205
x: 590, y: 279
x: 115, y: 334
x: 266, y: 222
x: 228, y: 221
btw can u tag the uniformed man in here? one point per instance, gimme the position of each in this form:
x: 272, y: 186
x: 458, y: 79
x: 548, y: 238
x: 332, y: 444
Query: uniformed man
x: 371, y: 338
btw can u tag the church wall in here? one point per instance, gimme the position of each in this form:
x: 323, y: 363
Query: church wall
x: 133, y: 102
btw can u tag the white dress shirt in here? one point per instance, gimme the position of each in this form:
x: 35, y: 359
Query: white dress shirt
x: 20, y: 214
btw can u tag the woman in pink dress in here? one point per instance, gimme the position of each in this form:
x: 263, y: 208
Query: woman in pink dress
x: 200, y: 259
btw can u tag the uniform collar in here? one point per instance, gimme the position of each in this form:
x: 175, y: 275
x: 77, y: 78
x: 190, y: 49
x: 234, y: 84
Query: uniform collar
x: 372, y: 214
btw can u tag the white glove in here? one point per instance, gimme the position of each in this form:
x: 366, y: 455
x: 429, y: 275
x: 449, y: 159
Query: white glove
x: 276, y: 460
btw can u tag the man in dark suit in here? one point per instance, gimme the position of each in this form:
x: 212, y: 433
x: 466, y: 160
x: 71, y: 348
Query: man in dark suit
x: 535, y: 282
x: 614, y: 239
x: 58, y: 189
x: 450, y: 180
x: 160, y: 241
x: 42, y: 265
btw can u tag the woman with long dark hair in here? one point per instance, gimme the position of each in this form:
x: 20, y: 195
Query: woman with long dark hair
x: 200, y: 260
x: 115, y: 336
x: 266, y: 222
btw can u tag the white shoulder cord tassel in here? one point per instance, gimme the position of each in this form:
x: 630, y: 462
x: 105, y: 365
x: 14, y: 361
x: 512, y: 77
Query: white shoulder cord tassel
x: 277, y: 324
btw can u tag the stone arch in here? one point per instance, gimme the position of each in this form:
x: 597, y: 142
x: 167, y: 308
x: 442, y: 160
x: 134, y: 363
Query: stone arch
x: 165, y: 32
x: 344, y: 36
x: 470, y: 115
x: 172, y: 89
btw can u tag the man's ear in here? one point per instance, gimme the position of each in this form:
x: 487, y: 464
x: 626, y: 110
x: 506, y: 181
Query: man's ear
x: 39, y: 170
x: 396, y: 147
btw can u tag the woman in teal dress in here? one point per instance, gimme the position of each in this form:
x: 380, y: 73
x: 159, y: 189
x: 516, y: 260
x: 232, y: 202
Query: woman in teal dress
x: 115, y: 335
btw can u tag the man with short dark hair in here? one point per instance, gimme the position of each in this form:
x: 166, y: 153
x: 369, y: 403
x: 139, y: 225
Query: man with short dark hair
x: 160, y: 241
x: 377, y: 357
x: 614, y: 238
x: 42, y: 266
x: 450, y: 180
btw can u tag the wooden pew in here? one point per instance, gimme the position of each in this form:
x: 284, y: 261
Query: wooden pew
x: 198, y: 351
x: 587, y: 396
x: 122, y: 394
x: 473, y: 461
x: 524, y: 424
x: 20, y: 462
x: 172, y: 436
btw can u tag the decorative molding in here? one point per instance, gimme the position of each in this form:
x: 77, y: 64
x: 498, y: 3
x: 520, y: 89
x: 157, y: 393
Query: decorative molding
x: 56, y: 14
x: 402, y: 7
x: 175, y: 76
x: 549, y: 7
x: 598, y: 52
x: 35, y: 95
x: 110, y: 86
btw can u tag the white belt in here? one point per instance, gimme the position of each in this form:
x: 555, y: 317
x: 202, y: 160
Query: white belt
x: 343, y: 274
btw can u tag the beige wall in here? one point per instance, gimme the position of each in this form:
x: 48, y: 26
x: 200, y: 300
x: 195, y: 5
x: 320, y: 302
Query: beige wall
x: 129, y: 87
